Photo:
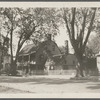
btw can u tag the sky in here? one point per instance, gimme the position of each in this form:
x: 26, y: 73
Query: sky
x: 60, y: 38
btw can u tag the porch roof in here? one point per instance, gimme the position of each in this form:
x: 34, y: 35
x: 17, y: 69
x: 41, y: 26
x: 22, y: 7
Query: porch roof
x: 28, y: 49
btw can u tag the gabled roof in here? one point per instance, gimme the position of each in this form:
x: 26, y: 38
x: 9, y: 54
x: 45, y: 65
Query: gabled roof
x: 32, y: 48
x: 28, y: 49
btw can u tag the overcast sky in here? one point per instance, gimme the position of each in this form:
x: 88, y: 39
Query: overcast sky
x: 60, y: 39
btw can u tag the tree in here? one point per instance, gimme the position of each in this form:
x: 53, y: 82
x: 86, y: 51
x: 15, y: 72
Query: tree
x: 34, y: 24
x: 65, y: 49
x: 29, y: 25
x: 26, y: 27
x: 10, y: 25
x: 94, y: 42
x: 89, y: 53
x: 48, y: 22
x: 79, y: 24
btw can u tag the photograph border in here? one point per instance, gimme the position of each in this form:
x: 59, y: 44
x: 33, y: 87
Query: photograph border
x: 91, y: 95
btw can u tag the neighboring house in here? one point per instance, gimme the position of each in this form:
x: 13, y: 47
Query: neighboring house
x: 6, y: 61
x: 98, y: 61
x: 70, y: 61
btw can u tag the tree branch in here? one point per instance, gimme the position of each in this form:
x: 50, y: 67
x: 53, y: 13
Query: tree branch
x: 83, y: 28
x: 73, y: 22
x: 90, y: 28
x: 67, y: 26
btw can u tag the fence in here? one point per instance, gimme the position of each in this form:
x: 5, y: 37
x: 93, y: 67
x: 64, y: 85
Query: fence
x: 52, y: 72
x: 62, y: 72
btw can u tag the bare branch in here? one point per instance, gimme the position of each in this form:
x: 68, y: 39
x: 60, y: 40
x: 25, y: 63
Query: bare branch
x: 83, y: 28
x: 73, y: 22
x: 67, y: 26
x: 90, y: 28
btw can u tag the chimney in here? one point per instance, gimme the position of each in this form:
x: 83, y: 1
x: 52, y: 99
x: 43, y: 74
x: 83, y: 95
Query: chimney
x: 66, y: 47
x: 48, y: 36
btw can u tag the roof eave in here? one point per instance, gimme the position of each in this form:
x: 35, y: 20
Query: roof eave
x: 27, y: 53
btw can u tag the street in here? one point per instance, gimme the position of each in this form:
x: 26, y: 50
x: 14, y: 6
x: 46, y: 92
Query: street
x: 48, y: 84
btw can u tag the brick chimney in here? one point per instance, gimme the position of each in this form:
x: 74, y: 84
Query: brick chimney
x: 66, y: 47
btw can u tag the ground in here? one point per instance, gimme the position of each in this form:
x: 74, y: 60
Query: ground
x: 48, y: 84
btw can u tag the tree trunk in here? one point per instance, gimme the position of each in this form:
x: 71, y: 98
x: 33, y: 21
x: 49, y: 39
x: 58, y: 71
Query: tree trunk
x: 13, y: 67
x: 79, y: 66
x: 13, y: 70
x: 14, y: 64
x: 81, y: 69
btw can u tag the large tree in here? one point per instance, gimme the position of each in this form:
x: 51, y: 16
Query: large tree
x: 35, y: 24
x: 28, y: 24
x: 10, y: 25
x: 79, y: 24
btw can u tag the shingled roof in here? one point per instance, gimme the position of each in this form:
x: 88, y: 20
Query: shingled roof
x: 32, y: 48
x: 28, y: 49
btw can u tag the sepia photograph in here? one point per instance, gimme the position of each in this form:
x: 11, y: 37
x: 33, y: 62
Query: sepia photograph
x: 49, y: 49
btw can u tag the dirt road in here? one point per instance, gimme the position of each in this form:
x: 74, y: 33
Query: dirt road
x: 47, y: 84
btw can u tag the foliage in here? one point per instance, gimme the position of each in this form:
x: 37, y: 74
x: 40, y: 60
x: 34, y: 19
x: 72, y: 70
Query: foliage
x: 30, y: 24
x: 79, y: 24
x: 93, y: 44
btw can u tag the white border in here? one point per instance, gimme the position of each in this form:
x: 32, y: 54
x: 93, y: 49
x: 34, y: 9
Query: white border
x: 60, y: 95
x: 49, y: 4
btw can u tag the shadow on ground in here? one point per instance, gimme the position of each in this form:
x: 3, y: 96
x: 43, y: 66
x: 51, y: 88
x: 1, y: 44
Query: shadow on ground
x: 95, y: 86
x: 11, y: 90
x: 39, y: 80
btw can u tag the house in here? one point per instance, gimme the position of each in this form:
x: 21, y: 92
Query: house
x: 27, y: 54
x: 70, y: 61
x: 47, y: 55
x: 41, y: 53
